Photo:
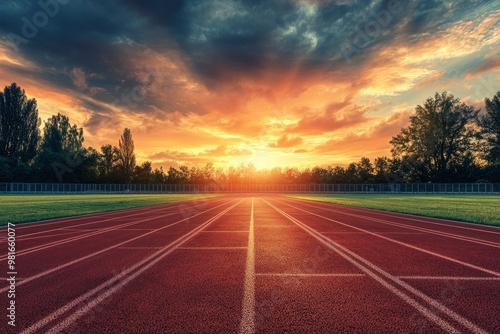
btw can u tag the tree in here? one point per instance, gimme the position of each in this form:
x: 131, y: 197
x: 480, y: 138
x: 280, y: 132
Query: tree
x: 19, y: 125
x: 489, y: 144
x: 62, y: 156
x: 438, y: 135
x: 364, y: 170
x: 106, y: 163
x: 61, y: 137
x: 143, y: 174
x: 125, y: 155
x: 490, y: 130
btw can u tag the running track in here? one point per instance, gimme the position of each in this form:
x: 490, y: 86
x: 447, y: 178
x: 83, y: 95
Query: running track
x: 254, y: 264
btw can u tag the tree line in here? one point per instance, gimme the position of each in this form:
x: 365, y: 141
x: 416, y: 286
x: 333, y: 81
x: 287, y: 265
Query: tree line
x: 446, y: 141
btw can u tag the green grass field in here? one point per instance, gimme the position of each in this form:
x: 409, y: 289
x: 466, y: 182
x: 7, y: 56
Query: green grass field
x: 25, y: 208
x: 482, y: 209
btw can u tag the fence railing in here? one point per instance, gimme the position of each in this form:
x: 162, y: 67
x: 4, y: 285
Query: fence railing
x: 411, y: 188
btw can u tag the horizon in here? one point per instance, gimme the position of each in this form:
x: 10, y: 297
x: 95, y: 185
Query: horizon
x: 274, y: 84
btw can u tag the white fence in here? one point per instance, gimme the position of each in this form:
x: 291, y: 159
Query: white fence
x: 411, y: 188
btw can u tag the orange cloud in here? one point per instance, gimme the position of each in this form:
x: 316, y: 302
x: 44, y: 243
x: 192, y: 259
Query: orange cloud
x: 286, y: 142
x: 374, y: 142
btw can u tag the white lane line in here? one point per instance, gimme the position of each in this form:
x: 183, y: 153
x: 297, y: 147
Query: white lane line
x: 66, y: 232
x: 384, y: 279
x: 122, y: 213
x: 276, y: 226
x: 429, y: 220
x: 97, y: 295
x: 71, y: 229
x: 407, y: 216
x: 83, y: 236
x: 488, y: 271
x: 451, y: 278
x: 93, y: 222
x: 330, y: 232
x: 247, y: 324
x: 211, y: 248
x: 417, y: 228
x: 70, y: 263
x: 137, y: 229
x: 224, y: 232
x: 140, y: 247
x: 309, y: 275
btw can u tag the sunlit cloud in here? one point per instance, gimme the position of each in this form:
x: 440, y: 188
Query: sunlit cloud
x: 266, y: 83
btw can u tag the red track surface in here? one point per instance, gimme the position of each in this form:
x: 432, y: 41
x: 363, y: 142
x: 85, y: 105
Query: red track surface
x: 254, y: 264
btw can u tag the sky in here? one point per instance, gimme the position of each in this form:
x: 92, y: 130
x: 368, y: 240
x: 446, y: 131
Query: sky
x: 299, y: 83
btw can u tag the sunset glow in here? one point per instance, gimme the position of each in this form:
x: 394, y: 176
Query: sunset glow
x: 274, y: 83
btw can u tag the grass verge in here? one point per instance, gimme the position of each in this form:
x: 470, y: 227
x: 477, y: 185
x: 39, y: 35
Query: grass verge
x: 481, y: 209
x: 26, y: 208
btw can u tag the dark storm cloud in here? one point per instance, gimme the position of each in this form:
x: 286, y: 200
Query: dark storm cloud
x: 219, y: 40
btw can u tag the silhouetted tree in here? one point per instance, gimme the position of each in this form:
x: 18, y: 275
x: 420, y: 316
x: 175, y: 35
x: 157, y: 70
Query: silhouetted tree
x: 106, y: 164
x: 60, y: 150
x: 364, y: 171
x: 143, y: 173
x: 60, y: 136
x: 490, y: 129
x: 158, y: 176
x: 125, y: 155
x: 19, y: 125
x: 438, y: 135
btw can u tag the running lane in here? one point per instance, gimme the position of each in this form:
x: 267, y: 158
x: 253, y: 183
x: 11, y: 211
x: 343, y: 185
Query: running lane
x: 455, y: 277
x: 250, y: 264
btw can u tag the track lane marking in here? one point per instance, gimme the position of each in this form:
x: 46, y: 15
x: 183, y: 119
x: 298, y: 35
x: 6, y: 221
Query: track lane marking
x: 488, y: 271
x: 136, y: 212
x: 91, y: 234
x: 64, y: 220
x: 247, y: 324
x: 140, y: 247
x: 137, y: 229
x: 384, y: 279
x: 83, y: 236
x: 416, y: 228
x: 224, y: 231
x: 211, y: 248
x: 330, y: 232
x: 99, y: 221
x: 309, y: 275
x: 97, y: 295
x: 70, y: 263
x: 407, y: 216
x: 68, y: 232
x: 451, y: 278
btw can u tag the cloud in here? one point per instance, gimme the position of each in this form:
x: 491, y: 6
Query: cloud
x: 429, y: 79
x: 225, y: 80
x: 335, y: 117
x: 174, y: 155
x: 373, y: 142
x: 488, y: 66
x: 224, y: 151
x: 286, y: 142
x: 79, y: 78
